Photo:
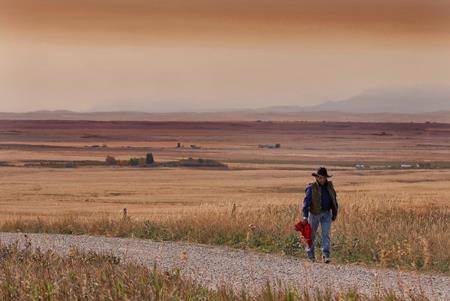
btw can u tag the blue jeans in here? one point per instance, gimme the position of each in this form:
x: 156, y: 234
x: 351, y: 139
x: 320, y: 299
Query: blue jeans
x: 324, y: 219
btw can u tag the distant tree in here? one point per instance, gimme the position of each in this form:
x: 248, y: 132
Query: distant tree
x: 133, y: 162
x: 149, y: 159
x: 110, y: 160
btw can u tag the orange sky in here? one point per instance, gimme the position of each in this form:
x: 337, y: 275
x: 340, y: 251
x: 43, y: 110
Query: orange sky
x: 198, y: 54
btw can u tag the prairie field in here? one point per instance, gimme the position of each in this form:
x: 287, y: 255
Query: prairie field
x: 390, y: 216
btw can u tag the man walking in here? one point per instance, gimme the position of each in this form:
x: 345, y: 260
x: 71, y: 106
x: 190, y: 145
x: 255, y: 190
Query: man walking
x: 320, y: 206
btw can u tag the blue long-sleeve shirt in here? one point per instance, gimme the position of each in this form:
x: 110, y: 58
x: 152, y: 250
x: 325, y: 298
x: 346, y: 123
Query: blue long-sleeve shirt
x: 325, y: 199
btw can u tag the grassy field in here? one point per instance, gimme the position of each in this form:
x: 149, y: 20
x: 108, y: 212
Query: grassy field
x: 28, y: 274
x: 390, y: 220
x: 395, y: 218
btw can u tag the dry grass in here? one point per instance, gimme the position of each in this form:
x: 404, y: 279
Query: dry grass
x: 161, y: 193
x: 27, y: 274
x: 389, y: 218
x: 382, y: 233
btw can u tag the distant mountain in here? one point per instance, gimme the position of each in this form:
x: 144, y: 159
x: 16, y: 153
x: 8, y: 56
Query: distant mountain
x: 392, y: 100
x: 381, y: 105
x: 247, y: 115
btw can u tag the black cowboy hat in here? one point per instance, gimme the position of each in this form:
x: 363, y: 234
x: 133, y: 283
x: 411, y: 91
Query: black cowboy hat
x: 321, y: 172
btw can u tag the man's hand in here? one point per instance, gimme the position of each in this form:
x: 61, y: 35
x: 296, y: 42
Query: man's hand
x: 333, y: 218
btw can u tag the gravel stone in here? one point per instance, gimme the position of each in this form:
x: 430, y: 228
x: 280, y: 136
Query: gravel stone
x: 214, y: 266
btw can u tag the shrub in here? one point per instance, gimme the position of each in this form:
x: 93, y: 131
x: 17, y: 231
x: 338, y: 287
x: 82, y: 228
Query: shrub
x: 133, y: 162
x: 110, y: 160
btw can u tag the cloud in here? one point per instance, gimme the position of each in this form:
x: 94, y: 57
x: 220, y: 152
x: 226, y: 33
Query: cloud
x: 224, y: 20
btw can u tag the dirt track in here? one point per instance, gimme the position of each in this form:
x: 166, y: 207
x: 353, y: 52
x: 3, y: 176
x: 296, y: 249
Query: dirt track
x: 214, y: 266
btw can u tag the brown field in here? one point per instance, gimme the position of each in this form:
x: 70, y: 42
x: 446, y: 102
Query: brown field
x: 256, y: 176
x: 302, y: 142
x: 408, y: 209
x: 159, y: 193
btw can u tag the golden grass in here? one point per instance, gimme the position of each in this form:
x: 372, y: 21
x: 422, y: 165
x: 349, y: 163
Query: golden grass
x: 28, y: 274
x: 160, y: 193
x: 387, y: 218
x: 380, y: 233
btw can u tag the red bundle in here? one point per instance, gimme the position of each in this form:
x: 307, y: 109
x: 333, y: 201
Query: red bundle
x: 305, y: 230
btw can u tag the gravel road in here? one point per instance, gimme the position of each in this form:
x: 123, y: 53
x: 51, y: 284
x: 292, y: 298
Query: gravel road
x: 215, y: 266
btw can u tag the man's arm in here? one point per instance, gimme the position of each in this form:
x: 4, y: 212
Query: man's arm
x: 307, y: 201
x: 334, y: 212
x: 337, y: 203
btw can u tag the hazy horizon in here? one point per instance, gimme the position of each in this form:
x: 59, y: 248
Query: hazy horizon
x: 199, y: 55
x: 388, y: 97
